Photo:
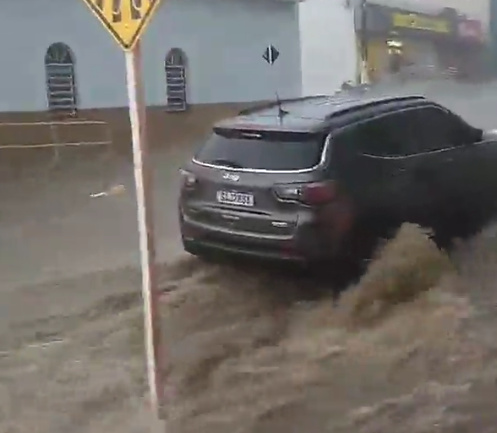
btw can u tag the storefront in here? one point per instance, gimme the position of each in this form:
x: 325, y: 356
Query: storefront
x: 397, y: 39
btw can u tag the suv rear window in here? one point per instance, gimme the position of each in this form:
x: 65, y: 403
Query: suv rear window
x: 252, y: 151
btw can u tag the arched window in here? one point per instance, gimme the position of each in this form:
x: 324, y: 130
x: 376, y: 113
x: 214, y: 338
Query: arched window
x: 61, y: 82
x: 175, y: 66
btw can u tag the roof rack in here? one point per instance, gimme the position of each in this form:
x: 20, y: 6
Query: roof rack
x: 402, y: 98
x: 273, y: 104
x: 361, y: 103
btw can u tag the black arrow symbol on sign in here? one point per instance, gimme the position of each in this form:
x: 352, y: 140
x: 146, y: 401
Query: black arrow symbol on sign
x: 117, y: 9
x: 271, y: 54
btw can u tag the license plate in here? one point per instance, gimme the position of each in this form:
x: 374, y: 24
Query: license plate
x: 235, y: 198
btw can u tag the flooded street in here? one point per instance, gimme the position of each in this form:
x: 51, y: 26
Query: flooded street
x: 248, y: 349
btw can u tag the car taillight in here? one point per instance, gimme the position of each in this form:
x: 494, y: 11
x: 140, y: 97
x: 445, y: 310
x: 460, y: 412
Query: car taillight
x: 188, y: 179
x: 318, y: 193
x: 312, y: 194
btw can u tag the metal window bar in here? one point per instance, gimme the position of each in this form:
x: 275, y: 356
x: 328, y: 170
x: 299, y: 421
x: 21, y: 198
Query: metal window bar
x: 61, y: 89
x: 176, y: 88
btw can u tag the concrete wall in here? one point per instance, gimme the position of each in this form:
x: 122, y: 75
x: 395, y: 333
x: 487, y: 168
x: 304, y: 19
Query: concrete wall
x: 223, y: 40
x: 328, y: 45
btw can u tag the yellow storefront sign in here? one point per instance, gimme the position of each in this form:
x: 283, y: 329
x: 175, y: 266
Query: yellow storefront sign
x: 419, y: 22
x: 124, y: 19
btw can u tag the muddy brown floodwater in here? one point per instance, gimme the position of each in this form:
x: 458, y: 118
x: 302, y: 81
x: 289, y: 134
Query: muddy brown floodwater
x: 253, y: 352
x: 246, y: 357
x: 249, y: 350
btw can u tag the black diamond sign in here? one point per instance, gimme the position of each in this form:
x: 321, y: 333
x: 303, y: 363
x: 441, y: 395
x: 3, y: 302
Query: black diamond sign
x: 271, y: 54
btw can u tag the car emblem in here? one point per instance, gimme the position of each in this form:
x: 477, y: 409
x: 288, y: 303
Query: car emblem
x: 231, y: 176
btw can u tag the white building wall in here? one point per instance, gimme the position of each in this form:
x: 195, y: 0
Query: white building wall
x: 222, y: 39
x: 328, y: 45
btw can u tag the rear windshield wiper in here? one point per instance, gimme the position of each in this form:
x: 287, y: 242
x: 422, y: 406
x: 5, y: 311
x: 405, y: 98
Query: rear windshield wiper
x: 226, y: 163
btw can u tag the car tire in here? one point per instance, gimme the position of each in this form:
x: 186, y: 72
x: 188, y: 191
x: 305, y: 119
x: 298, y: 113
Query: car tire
x: 368, y: 236
x: 360, y: 248
x: 445, y: 237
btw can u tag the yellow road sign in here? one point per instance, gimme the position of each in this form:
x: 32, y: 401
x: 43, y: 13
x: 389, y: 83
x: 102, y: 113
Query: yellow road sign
x: 124, y: 19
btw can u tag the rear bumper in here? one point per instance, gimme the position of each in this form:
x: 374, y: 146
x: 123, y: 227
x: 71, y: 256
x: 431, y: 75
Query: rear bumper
x: 306, y: 245
x: 203, y: 247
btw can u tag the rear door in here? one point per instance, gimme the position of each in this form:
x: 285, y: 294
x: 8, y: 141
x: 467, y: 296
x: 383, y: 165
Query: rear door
x: 374, y: 162
x: 420, y: 174
x: 237, y: 174
x: 439, y: 167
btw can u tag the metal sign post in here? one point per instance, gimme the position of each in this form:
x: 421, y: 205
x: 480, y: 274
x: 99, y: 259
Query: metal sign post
x: 143, y: 185
x: 126, y: 21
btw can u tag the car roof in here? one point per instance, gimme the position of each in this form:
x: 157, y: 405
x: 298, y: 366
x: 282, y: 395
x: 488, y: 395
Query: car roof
x: 309, y: 114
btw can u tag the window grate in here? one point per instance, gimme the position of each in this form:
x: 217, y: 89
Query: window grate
x: 60, y: 80
x: 175, y: 68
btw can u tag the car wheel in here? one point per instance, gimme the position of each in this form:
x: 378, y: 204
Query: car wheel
x: 444, y: 240
x: 336, y: 274
x: 359, y: 249
x: 445, y: 237
x: 367, y: 237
